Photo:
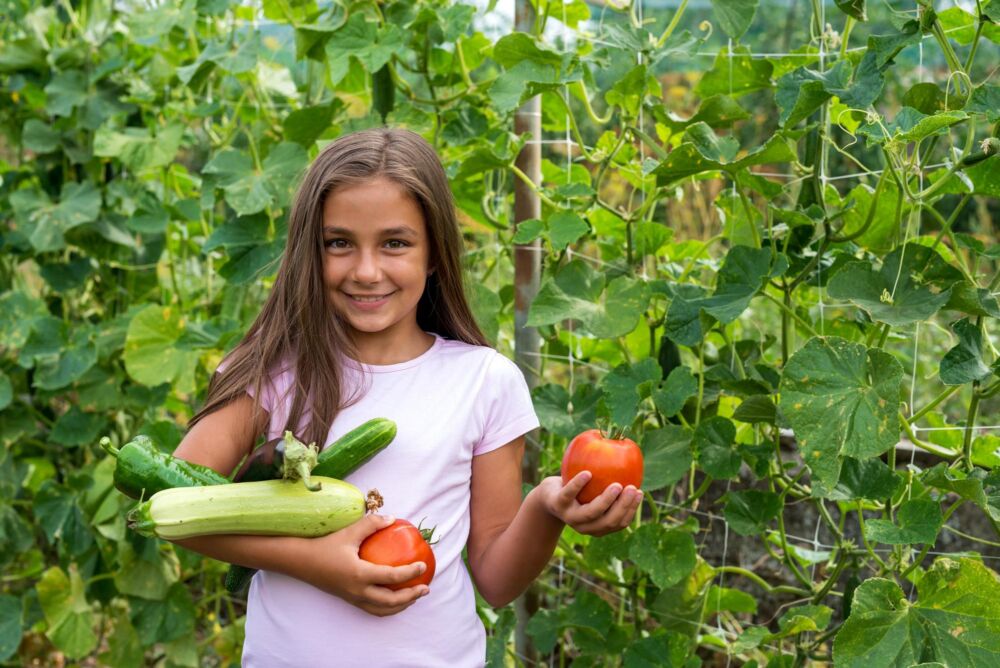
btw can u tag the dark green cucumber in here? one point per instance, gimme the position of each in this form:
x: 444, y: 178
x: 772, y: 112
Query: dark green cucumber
x: 344, y: 456
x: 143, y: 469
x: 350, y: 451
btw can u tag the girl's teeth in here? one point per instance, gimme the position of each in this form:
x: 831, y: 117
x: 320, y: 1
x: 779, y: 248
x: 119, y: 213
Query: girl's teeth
x: 369, y: 299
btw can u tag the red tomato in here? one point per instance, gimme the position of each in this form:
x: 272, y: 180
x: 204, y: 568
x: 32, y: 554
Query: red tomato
x: 399, y: 544
x: 608, y: 460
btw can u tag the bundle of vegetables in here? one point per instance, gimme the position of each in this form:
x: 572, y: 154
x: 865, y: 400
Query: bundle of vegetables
x: 143, y: 471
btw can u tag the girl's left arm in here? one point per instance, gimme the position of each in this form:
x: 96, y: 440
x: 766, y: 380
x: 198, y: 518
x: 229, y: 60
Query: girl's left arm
x: 511, y: 540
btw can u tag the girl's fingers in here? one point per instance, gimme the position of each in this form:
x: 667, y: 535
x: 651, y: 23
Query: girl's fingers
x: 388, y: 575
x: 599, y: 506
x: 569, y: 492
x: 384, y: 597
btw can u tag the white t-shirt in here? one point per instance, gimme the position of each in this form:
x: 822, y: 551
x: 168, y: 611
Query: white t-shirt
x: 453, y: 402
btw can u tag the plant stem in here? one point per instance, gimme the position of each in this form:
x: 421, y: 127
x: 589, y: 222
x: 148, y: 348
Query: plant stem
x: 933, y: 404
x: 802, y: 323
x: 944, y: 453
x: 764, y: 584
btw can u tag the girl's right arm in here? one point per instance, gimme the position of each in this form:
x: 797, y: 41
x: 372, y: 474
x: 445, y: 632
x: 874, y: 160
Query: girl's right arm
x: 330, y: 563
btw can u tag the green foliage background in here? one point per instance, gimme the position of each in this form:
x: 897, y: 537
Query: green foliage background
x: 738, y: 249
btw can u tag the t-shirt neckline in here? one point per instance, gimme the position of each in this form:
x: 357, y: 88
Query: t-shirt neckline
x: 399, y: 366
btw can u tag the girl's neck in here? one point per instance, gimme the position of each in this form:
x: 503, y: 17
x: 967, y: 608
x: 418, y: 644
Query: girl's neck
x: 392, y: 348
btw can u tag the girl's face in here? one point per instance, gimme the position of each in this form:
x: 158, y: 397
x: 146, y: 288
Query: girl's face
x: 375, y: 259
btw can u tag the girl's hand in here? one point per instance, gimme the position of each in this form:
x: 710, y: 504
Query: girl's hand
x: 612, y: 511
x: 337, y: 569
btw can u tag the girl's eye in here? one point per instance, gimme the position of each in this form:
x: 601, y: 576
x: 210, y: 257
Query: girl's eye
x: 402, y: 244
x: 332, y: 243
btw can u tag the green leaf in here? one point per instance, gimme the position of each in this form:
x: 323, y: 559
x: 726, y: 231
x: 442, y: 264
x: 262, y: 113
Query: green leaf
x: 714, y: 111
x: 731, y: 600
x: 735, y: 74
x: 668, y: 556
x: 565, y: 228
x: 499, y: 637
x: 756, y: 409
x: 910, y: 126
x: 587, y: 611
x: 124, y: 648
x: 977, y: 486
x: 803, y: 618
x: 985, y: 99
x: 486, y: 306
x: 748, y: 512
x: 881, y: 234
x: 912, y: 285
x: 147, y: 572
x: 151, y: 356
x: 677, y: 389
x: 854, y: 8
x: 552, y: 404
x: 735, y: 16
x: 955, y: 620
x: 742, y: 275
x: 841, y: 400
x: 688, y: 160
x: 965, y: 362
x: 18, y: 312
x: 666, y: 456
x: 75, y: 428
x: 626, y: 385
x: 713, y: 442
x: 65, y: 91
x: 631, y: 91
x: 575, y: 293
x: 528, y: 230
x: 865, y: 479
x: 10, y: 625
x: 166, y: 620
x: 45, y: 223
x: 304, y: 126
x: 6, y: 391
x: 680, y: 608
x: 918, y: 521
x: 39, y: 137
x: 803, y: 91
x: 249, y: 190
x: 711, y: 145
x: 984, y: 176
x: 67, y: 612
x: 140, y: 149
x: 886, y: 47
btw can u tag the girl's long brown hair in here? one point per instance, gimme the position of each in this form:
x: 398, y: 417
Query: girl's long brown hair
x: 297, y: 327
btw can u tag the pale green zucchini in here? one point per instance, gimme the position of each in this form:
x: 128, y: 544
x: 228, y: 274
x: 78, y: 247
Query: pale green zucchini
x: 264, y: 508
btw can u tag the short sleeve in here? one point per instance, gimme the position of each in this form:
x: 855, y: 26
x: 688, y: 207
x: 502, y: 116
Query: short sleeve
x: 272, y: 387
x: 506, y: 405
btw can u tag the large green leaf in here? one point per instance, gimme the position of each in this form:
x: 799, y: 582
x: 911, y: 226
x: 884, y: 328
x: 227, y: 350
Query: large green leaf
x: 912, y: 285
x: 853, y: 8
x: 841, y: 400
x: 978, y: 486
x: 553, y: 407
x: 249, y: 190
x: 735, y: 16
x: 587, y: 611
x: 626, y: 385
x: 151, y: 354
x: 44, y: 222
x: 735, y: 74
x: 138, y: 148
x: 917, y: 521
x: 666, y: 456
x: 910, y: 125
x: 692, y: 158
x: 749, y: 511
x: 965, y: 362
x: 955, y: 620
x: 714, y: 442
x: 667, y: 555
x: 10, y: 625
x: 67, y: 612
x: 164, y: 620
x: 575, y: 293
x: 743, y: 274
x: 144, y: 571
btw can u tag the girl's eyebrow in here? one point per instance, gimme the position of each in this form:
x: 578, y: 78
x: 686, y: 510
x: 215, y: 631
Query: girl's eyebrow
x: 388, y: 232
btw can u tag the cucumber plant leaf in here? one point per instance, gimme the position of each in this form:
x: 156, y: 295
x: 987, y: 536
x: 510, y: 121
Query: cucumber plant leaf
x: 666, y: 454
x: 735, y: 16
x: 742, y: 275
x: 913, y: 283
x: 748, y: 511
x: 67, y: 612
x: 854, y: 8
x: 917, y: 521
x: 841, y: 400
x: 965, y: 362
x: 955, y: 620
x: 575, y: 293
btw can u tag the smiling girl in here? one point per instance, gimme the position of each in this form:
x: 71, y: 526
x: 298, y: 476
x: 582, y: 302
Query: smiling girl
x: 368, y: 318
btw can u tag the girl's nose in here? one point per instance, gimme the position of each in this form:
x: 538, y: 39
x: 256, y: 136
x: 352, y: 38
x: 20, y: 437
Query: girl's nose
x: 367, y: 269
